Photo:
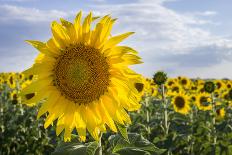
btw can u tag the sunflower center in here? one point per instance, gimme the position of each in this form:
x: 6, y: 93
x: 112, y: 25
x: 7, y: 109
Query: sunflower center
x: 81, y: 74
x: 184, y: 81
x: 179, y: 102
x: 204, y: 101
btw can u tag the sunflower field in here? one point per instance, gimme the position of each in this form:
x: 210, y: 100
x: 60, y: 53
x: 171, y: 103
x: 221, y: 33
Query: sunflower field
x: 177, y: 116
x: 81, y: 97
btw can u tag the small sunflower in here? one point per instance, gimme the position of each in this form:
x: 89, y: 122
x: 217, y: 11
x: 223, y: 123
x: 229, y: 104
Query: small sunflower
x: 181, y: 103
x: 219, y: 84
x: 20, y: 76
x: 170, y: 82
x: 11, y: 81
x: 175, y: 88
x: 203, y: 101
x: 228, y: 84
x: 220, y: 113
x: 84, y: 78
x: 185, y: 82
x: 15, y: 98
x: 193, y: 98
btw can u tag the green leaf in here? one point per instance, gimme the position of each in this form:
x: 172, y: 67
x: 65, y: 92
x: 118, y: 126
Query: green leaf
x: 91, y: 148
x: 123, y: 131
x: 133, y: 151
x: 75, y: 147
x: 138, y: 145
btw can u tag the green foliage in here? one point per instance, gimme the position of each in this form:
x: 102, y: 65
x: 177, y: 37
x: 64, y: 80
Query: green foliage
x: 20, y: 132
x: 76, y: 148
x: 156, y: 129
x: 137, y: 145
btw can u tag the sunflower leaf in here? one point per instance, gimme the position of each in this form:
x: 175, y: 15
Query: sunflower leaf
x: 138, y: 145
x: 123, y: 131
x: 91, y: 148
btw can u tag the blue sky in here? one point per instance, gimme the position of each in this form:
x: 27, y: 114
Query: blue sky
x: 182, y: 37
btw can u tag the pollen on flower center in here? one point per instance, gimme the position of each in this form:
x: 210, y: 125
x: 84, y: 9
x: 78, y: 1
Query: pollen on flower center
x: 81, y: 74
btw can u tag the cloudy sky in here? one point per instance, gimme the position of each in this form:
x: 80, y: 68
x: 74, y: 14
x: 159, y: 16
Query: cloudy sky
x: 182, y: 37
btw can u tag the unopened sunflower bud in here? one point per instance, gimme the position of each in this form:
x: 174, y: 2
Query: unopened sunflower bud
x: 160, y: 77
x: 209, y: 86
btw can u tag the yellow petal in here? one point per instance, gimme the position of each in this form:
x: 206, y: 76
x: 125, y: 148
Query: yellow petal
x: 60, y: 34
x: 82, y: 133
x: 42, y: 47
x: 116, y: 39
x: 47, y: 105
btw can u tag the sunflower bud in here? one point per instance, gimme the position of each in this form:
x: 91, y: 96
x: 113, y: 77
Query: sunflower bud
x: 160, y: 77
x: 209, y: 86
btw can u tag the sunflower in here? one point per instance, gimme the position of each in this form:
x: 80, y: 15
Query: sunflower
x: 193, y: 98
x: 181, y: 103
x: 84, y: 78
x: 220, y: 84
x: 14, y: 97
x: 170, y: 82
x: 175, y: 88
x: 20, y: 76
x: 203, y: 101
x: 11, y: 81
x: 229, y: 85
x: 220, y: 113
x: 185, y: 82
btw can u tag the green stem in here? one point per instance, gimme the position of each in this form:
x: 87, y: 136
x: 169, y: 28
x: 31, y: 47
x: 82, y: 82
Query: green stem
x: 191, y: 135
x: 165, y: 105
x: 147, y: 115
x: 214, y: 136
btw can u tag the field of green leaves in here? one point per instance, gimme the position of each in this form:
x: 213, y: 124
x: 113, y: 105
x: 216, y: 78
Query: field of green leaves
x: 178, y: 116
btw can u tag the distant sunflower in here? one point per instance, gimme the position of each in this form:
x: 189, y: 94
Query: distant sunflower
x: 84, y: 76
x: 185, y: 82
x: 20, y: 76
x: 219, y: 84
x: 14, y: 97
x: 229, y: 84
x: 193, y: 98
x: 170, y: 82
x: 181, y: 103
x: 220, y: 113
x: 203, y: 101
x: 11, y: 81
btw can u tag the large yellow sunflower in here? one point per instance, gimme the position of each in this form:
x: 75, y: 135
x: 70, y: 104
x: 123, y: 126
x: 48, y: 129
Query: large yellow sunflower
x: 181, y: 103
x: 83, y: 76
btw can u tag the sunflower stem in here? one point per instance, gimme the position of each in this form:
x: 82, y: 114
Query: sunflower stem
x: 214, y: 136
x: 165, y: 104
x: 147, y: 114
x: 190, y: 137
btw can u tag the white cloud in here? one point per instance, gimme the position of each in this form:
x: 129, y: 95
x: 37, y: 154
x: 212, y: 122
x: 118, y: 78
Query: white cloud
x: 16, y: 0
x: 9, y: 13
x: 161, y: 31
